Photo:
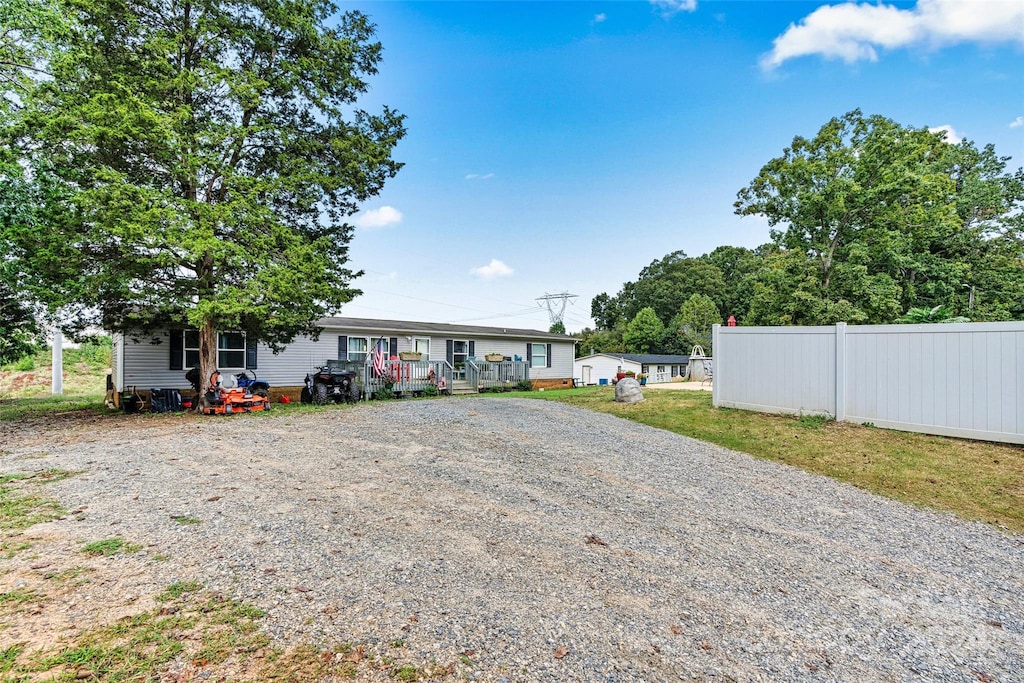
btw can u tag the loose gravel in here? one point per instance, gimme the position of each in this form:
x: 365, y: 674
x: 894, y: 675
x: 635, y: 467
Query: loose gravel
x: 531, y: 540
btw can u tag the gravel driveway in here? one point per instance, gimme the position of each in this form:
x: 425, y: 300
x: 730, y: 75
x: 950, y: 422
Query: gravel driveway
x: 519, y: 530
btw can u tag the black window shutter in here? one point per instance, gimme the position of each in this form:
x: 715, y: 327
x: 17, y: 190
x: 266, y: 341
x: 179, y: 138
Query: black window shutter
x: 393, y: 347
x: 342, y: 347
x: 472, y: 348
x: 177, y: 350
x: 549, y: 355
x: 449, y: 351
x: 250, y: 354
x: 529, y: 355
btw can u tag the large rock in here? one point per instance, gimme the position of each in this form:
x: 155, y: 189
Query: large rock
x: 628, y: 391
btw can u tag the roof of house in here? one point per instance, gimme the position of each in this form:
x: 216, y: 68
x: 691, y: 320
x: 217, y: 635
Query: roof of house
x: 646, y: 358
x: 410, y: 327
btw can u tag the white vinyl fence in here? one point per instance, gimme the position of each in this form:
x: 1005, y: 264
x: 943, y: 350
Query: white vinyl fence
x: 958, y: 379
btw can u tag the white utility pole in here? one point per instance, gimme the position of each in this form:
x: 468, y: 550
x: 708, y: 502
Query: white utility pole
x: 57, y: 363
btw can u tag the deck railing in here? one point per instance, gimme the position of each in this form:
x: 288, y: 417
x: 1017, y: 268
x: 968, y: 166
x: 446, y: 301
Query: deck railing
x: 407, y: 377
x: 504, y: 374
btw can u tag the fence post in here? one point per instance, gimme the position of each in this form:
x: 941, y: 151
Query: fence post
x: 716, y: 358
x: 840, y: 372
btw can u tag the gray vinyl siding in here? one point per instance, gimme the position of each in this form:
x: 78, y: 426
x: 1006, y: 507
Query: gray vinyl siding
x: 145, y: 362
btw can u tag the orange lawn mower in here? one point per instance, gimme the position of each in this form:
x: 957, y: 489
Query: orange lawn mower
x: 225, y: 397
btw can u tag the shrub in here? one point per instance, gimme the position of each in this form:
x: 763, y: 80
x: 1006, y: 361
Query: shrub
x: 430, y: 390
x: 524, y: 385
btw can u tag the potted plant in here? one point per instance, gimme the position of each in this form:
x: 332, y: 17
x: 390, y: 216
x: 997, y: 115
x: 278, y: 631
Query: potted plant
x: 409, y: 355
x: 643, y: 379
x: 494, y: 357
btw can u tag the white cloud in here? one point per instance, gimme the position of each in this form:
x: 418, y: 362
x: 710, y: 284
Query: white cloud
x: 479, y: 176
x: 378, y: 218
x: 1017, y: 122
x: 853, y: 32
x: 952, y: 137
x: 492, y: 270
x: 600, y: 18
x: 670, y: 8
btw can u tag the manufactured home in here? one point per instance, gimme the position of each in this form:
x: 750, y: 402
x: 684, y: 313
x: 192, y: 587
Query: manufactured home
x: 601, y: 368
x: 469, y: 358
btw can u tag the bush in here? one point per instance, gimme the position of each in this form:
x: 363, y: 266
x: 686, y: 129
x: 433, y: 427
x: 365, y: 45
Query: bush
x: 385, y: 393
x: 524, y: 385
x: 93, y: 351
x: 430, y: 390
x: 24, y: 364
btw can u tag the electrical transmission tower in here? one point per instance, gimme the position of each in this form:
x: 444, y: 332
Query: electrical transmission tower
x: 556, y: 310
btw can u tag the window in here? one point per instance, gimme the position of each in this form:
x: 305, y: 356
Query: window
x: 231, y: 350
x: 422, y: 345
x: 357, y: 348
x: 460, y: 351
x: 538, y: 355
x: 191, y: 348
x: 661, y: 368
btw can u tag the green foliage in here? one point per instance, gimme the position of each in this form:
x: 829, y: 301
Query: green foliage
x: 385, y: 393
x: 110, y: 546
x: 19, y: 508
x: 936, y: 314
x: 557, y: 327
x: 694, y: 321
x: 178, y: 589
x: 870, y: 218
x: 599, y: 341
x: 644, y: 332
x: 524, y: 385
x: 663, y: 286
x: 194, y: 165
x: 431, y: 390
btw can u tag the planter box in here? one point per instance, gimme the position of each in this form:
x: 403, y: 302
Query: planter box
x: 409, y: 355
x: 494, y: 357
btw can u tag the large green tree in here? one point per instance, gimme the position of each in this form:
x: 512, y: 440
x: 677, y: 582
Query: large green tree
x: 194, y: 162
x: 693, y: 324
x: 644, y: 332
x: 870, y: 218
x: 27, y: 29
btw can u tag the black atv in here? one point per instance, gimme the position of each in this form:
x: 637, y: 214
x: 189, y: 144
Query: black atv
x: 335, y: 382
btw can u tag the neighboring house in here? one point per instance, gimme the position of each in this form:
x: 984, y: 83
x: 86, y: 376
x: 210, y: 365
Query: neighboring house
x: 596, y: 367
x: 161, y: 359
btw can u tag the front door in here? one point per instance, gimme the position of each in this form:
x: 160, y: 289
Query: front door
x: 586, y: 375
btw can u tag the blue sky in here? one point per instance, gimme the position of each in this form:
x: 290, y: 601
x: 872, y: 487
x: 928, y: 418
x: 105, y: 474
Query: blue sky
x: 563, y: 146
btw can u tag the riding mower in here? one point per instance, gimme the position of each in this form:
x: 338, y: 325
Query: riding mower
x: 226, y: 395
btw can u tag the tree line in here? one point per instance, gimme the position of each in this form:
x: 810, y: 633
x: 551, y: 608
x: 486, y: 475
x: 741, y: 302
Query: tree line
x: 872, y: 222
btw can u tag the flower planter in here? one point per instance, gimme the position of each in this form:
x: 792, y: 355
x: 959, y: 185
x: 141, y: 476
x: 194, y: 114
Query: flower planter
x: 494, y: 357
x: 409, y: 355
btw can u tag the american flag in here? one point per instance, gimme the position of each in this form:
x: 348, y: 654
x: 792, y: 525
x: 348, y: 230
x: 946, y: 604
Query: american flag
x: 378, y: 359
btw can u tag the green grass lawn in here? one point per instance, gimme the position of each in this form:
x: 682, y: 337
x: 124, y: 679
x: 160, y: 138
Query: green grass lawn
x: 973, y: 479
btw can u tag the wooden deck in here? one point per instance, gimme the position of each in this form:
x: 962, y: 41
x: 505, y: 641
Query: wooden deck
x: 413, y: 378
